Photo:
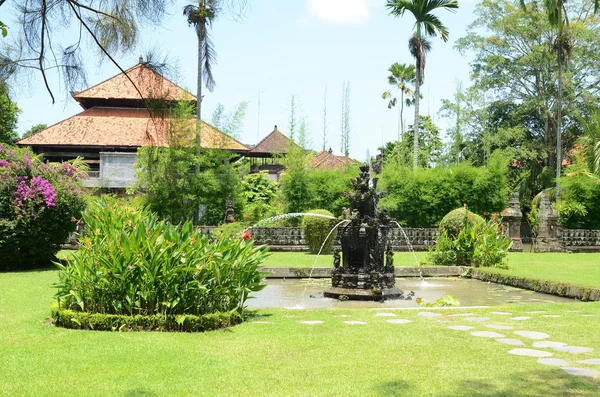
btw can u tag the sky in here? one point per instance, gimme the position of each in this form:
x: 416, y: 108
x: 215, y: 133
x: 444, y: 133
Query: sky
x: 284, y: 48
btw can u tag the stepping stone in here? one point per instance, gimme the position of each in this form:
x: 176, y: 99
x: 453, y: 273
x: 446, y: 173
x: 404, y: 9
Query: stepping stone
x: 429, y: 314
x: 550, y: 316
x: 487, y: 334
x: 502, y: 313
x: 477, y: 319
x: 536, y: 312
x: 386, y: 315
x: 398, y: 321
x: 262, y: 322
x: 530, y: 353
x: 545, y: 344
x: 460, y: 315
x: 511, y: 341
x: 520, y: 318
x: 587, y: 315
x: 573, y: 311
x: 591, y: 361
x: 355, y: 322
x: 532, y: 334
x: 573, y: 349
x: 311, y: 322
x: 558, y: 362
x: 492, y: 326
x: 461, y: 327
x: 581, y: 371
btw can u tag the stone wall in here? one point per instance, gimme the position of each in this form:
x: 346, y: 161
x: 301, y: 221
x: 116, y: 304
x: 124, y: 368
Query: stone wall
x: 292, y: 238
x: 581, y: 240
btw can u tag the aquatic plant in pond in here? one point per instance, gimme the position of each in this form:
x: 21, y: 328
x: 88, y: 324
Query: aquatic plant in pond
x: 38, y: 203
x: 131, y: 263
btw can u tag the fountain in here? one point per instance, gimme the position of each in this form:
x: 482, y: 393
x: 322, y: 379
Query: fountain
x: 365, y: 270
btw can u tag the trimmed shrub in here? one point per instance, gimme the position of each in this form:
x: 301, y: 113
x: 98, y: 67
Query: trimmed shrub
x: 130, y: 263
x: 316, y: 230
x: 456, y: 220
x: 39, y: 206
x: 421, y: 198
x: 115, y: 322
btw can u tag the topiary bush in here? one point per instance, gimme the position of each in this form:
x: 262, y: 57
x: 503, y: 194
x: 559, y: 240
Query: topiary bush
x: 457, y: 219
x: 39, y: 206
x: 316, y: 230
x: 131, y: 263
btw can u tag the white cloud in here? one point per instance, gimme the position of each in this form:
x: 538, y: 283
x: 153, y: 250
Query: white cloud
x: 339, y: 11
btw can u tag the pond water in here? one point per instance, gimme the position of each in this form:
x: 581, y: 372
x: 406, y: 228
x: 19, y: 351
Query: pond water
x: 305, y: 293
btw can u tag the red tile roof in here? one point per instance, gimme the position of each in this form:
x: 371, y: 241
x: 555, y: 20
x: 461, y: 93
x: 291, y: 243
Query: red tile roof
x: 274, y: 143
x: 150, y: 84
x: 328, y: 161
x: 121, y: 127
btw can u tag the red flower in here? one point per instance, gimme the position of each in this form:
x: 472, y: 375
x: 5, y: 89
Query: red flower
x: 246, y: 235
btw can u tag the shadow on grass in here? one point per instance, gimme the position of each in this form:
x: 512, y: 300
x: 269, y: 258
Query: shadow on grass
x: 550, y: 382
x: 395, y: 388
x: 139, y: 393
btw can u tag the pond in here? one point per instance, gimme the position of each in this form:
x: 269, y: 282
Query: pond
x: 305, y: 293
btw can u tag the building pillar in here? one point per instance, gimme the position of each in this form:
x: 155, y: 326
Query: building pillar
x: 549, y: 231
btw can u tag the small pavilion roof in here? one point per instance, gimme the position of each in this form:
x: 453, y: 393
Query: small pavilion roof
x: 274, y: 143
x: 119, y: 87
x: 122, y: 127
x: 325, y: 160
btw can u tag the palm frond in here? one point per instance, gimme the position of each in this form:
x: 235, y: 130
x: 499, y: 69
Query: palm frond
x: 434, y: 26
x: 208, y: 58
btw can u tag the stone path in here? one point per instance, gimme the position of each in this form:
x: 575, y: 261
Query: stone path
x: 520, y: 347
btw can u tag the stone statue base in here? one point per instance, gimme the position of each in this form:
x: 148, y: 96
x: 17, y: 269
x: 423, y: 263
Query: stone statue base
x: 548, y: 245
x: 517, y: 245
x: 363, y: 286
x: 359, y: 294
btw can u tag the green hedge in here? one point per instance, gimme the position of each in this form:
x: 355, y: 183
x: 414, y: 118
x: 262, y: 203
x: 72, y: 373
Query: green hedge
x: 316, y: 230
x: 422, y: 198
x: 114, y: 322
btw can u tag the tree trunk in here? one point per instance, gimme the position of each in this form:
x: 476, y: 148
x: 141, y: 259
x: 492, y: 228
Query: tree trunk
x: 199, y: 31
x: 559, y: 129
x: 416, y: 125
x: 401, y: 117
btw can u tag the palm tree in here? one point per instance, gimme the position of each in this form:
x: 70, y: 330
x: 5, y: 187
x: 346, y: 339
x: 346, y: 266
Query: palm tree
x: 426, y: 24
x: 559, y: 19
x: 201, y: 16
x: 400, y: 77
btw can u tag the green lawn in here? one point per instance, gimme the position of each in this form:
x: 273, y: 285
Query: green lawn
x: 284, y: 358
x: 578, y: 269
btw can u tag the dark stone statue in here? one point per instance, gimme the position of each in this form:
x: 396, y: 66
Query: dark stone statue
x: 366, y: 270
x: 229, y: 210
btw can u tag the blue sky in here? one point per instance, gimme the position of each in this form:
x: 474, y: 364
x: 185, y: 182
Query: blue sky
x: 285, y: 48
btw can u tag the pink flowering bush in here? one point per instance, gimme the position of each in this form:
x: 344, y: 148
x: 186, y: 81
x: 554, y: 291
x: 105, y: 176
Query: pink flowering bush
x: 38, y: 202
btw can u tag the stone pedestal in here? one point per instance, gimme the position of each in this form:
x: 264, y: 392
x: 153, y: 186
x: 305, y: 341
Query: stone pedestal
x: 549, y: 231
x: 511, y: 222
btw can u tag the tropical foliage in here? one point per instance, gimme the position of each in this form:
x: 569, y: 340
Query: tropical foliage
x: 132, y: 263
x: 40, y: 204
x: 426, y: 25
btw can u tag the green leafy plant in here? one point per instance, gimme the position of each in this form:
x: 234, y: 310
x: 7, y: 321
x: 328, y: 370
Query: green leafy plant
x: 316, y: 230
x: 445, y: 301
x: 476, y: 244
x: 133, y: 264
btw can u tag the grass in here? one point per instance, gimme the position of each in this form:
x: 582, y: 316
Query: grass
x: 285, y: 358
x: 577, y: 269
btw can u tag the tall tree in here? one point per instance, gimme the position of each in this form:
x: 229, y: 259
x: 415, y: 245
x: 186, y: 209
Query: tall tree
x: 345, y: 119
x: 9, y: 112
x: 35, y: 129
x: 293, y: 120
x: 426, y: 25
x: 230, y: 122
x: 559, y: 19
x: 325, y: 124
x: 43, y: 38
x: 400, y: 77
